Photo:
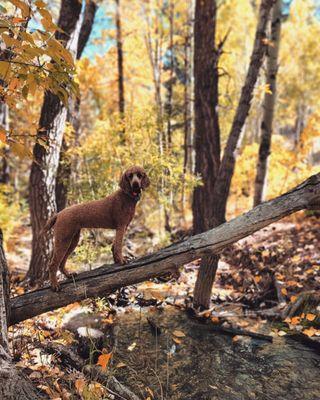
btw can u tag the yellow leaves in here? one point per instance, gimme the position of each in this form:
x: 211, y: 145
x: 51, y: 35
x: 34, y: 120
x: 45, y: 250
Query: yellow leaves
x: 4, y: 69
x: 104, y: 360
x: 40, y: 4
x: 20, y: 150
x: 10, y: 41
x: 25, y: 9
x: 3, y: 135
x: 284, y: 291
x: 267, y: 89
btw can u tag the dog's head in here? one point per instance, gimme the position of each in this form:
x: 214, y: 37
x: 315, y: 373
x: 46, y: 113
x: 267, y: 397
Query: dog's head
x: 133, y: 180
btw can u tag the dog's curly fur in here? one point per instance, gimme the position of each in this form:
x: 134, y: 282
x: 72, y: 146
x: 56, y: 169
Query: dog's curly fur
x: 113, y: 212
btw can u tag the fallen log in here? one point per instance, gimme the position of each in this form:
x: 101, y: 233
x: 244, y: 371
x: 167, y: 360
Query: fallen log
x: 107, y: 278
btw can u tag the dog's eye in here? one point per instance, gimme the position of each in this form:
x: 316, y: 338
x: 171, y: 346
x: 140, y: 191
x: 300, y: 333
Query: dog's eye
x: 130, y: 176
x: 139, y: 175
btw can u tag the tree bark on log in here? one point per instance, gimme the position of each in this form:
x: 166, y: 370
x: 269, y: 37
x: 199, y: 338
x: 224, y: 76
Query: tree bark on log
x: 13, y: 385
x: 44, y: 168
x: 105, y: 279
x: 269, y: 104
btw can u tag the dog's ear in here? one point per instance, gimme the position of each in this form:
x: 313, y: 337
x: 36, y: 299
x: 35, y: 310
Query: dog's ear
x: 124, y: 183
x: 145, y: 182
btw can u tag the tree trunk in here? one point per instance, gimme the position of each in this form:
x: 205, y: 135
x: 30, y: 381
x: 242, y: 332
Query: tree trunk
x: 73, y: 115
x: 103, y: 280
x: 4, y: 124
x: 120, y: 61
x: 170, y: 82
x: 269, y: 104
x: 207, y: 131
x: 44, y: 168
x: 187, y: 106
x: 220, y: 185
x: 13, y: 385
x: 223, y: 183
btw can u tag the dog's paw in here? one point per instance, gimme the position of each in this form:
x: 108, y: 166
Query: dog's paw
x: 55, y: 287
x: 129, y: 259
x: 70, y: 275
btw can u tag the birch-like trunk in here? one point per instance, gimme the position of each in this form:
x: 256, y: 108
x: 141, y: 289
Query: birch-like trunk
x: 4, y: 124
x: 42, y: 184
x: 269, y: 104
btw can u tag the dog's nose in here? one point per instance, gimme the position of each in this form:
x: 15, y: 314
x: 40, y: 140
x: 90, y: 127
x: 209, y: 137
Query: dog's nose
x: 135, y: 185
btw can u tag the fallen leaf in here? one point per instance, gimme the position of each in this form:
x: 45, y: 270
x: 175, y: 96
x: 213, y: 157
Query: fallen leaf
x: 309, y: 332
x: 257, y: 278
x: 295, y: 320
x: 178, y: 333
x: 103, y: 360
x: 284, y: 291
x: 311, y: 317
x: 121, y: 365
x: 80, y: 384
x: 282, y: 333
x: 132, y: 346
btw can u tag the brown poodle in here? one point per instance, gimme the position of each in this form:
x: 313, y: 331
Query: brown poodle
x: 113, y: 212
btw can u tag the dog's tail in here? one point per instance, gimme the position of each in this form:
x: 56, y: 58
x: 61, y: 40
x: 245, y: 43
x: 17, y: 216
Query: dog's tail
x: 51, y: 221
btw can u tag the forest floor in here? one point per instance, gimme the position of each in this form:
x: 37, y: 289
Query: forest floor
x: 147, y: 336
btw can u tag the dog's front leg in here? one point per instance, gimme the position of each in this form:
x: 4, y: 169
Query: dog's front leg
x: 117, y: 246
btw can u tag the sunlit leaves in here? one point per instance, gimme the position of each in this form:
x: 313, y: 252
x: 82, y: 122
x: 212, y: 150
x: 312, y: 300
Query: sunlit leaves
x: 33, y: 58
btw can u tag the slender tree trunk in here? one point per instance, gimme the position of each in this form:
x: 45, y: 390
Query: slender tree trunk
x: 221, y: 185
x: 269, y: 104
x: 207, y: 130
x: 42, y: 185
x: 187, y: 104
x: 13, y: 385
x: 73, y: 115
x: 169, y: 105
x: 120, y: 61
x: 4, y: 124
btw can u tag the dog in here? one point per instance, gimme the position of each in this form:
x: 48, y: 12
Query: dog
x: 113, y: 212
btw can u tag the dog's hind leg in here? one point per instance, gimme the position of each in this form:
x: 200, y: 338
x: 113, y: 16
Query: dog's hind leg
x: 73, y: 245
x: 59, y: 252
